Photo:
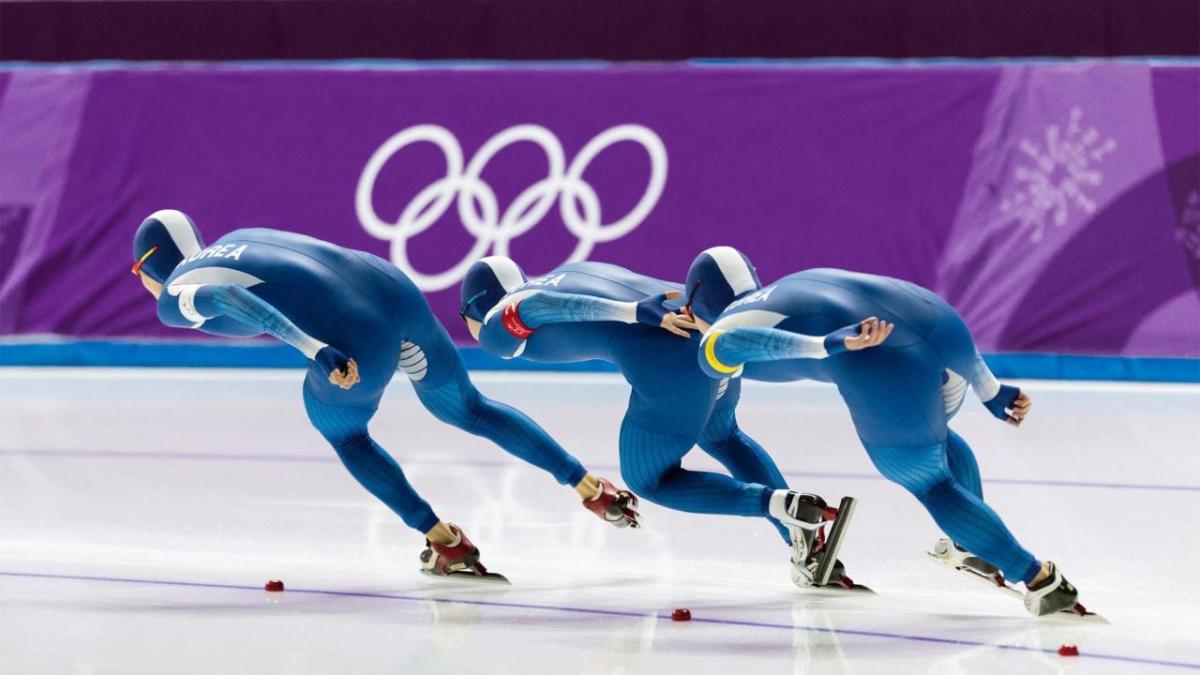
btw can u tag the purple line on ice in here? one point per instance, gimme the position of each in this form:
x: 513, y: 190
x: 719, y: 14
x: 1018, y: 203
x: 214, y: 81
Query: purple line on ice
x: 331, y: 459
x: 606, y: 612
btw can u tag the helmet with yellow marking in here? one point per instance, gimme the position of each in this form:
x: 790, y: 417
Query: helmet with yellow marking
x: 717, y: 277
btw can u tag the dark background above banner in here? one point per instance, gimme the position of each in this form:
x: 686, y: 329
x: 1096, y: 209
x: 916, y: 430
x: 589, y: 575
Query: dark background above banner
x: 614, y: 30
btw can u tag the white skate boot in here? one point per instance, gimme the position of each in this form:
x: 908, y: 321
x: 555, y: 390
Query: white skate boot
x: 1053, y: 594
x: 814, y: 556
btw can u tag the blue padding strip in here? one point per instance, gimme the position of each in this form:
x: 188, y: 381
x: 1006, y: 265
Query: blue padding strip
x: 267, y: 355
x: 1078, y: 367
x: 116, y: 353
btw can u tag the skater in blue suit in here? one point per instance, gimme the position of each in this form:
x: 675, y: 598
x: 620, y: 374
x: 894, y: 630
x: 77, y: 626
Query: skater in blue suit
x: 586, y: 310
x: 358, y: 320
x: 902, y: 359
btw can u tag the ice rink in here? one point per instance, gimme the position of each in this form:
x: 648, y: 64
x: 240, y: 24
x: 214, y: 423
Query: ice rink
x: 141, y: 512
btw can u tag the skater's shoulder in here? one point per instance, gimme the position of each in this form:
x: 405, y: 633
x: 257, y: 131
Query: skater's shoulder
x: 826, y: 275
x: 763, y: 307
x: 601, y: 280
x: 279, y: 238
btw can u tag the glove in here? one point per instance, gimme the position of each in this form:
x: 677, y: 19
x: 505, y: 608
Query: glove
x: 835, y: 342
x: 999, y: 404
x: 650, y: 311
x: 329, y: 359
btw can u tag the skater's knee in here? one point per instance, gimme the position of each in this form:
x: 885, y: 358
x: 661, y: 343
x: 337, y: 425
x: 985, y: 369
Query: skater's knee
x: 941, y: 489
x: 353, y: 443
x: 928, y: 488
x: 641, y: 483
x: 718, y: 443
x: 719, y: 433
x: 460, y: 407
x: 920, y: 470
x: 922, y: 484
x: 633, y: 479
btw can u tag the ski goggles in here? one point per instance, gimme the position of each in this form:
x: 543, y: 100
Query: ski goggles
x: 462, y: 311
x: 137, y: 266
x: 691, y: 297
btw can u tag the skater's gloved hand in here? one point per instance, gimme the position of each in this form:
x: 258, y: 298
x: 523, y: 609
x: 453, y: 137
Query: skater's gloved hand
x: 650, y: 311
x: 1010, y: 404
x: 340, y: 369
x: 869, y: 333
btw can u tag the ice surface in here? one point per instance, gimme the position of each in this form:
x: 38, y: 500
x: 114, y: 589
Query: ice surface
x: 141, y: 512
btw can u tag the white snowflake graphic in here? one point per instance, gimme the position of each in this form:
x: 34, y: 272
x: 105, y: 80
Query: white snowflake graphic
x: 1059, y: 177
x: 1189, y: 226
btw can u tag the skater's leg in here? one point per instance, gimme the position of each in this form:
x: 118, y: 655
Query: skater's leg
x: 459, y: 403
x: 963, y: 466
x: 725, y: 441
x: 745, y: 459
x: 650, y: 465
x: 895, y: 399
x: 925, y: 472
x: 345, y: 427
x: 444, y: 387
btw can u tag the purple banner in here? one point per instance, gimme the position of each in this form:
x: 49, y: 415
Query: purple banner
x: 1057, y: 206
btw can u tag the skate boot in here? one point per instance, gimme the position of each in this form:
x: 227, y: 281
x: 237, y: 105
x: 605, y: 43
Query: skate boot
x: 837, y: 577
x: 458, y: 559
x: 804, y: 515
x: 1052, y: 594
x: 958, y: 557
x: 804, y: 570
x: 618, y: 507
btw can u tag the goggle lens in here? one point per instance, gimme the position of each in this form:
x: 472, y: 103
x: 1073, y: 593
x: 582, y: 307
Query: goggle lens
x: 137, y: 266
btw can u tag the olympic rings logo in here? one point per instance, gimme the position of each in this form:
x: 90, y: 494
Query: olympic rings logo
x: 478, y: 209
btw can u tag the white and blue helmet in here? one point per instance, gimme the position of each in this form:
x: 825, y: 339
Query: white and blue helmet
x: 486, y: 283
x: 162, y: 241
x: 717, y: 277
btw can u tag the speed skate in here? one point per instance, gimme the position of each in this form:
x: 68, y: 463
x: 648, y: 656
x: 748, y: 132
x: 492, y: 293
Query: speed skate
x: 458, y: 560
x: 827, y: 572
x: 477, y: 574
x: 996, y: 580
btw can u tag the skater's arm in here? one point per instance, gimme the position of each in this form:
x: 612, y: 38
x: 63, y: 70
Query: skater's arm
x: 510, y: 323
x: 169, y: 313
x: 547, y: 307
x: 200, y: 303
x: 1004, y: 402
x: 723, y: 352
x: 503, y: 332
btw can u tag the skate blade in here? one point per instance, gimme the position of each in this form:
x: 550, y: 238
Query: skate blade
x: 833, y: 544
x: 995, y: 581
x: 470, y: 576
x: 1076, y: 614
x: 839, y: 589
